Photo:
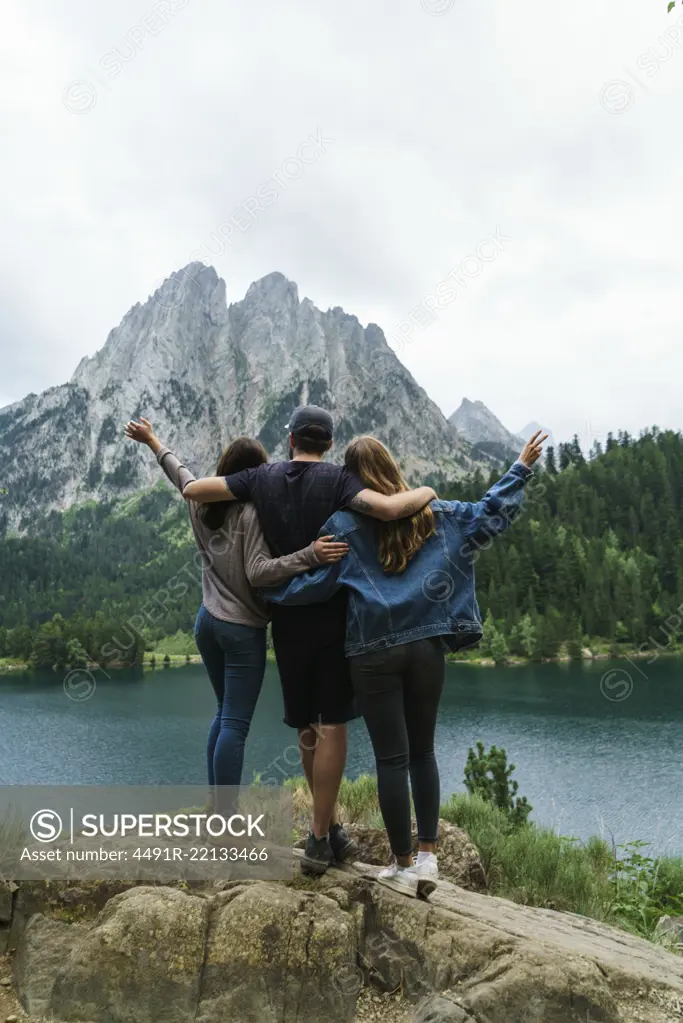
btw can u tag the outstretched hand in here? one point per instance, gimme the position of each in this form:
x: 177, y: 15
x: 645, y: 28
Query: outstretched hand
x: 533, y: 449
x: 328, y: 550
x: 141, y: 432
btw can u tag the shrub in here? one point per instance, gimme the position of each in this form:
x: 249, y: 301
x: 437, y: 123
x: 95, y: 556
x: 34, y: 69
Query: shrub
x: 488, y: 775
x: 645, y: 889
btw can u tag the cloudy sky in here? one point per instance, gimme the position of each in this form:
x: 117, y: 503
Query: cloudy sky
x: 138, y: 131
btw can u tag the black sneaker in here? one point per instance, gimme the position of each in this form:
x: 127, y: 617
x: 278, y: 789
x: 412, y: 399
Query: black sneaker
x: 343, y: 846
x: 318, y: 855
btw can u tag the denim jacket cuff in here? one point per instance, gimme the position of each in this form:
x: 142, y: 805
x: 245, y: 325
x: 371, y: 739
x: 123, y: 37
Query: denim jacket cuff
x: 526, y: 471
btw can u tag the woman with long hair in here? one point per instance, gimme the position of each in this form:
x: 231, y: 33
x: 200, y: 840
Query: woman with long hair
x: 411, y: 596
x: 230, y: 630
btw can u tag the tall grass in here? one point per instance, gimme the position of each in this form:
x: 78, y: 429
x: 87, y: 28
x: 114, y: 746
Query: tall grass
x: 532, y: 865
x: 358, y: 801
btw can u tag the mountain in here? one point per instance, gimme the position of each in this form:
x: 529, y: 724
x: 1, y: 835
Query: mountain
x: 532, y: 427
x: 478, y: 425
x: 203, y: 372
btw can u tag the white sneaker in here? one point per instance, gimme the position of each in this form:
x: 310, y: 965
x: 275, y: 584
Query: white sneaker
x: 401, y: 879
x: 427, y: 871
x: 390, y: 871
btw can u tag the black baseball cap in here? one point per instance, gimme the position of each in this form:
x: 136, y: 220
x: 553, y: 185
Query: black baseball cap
x: 311, y: 415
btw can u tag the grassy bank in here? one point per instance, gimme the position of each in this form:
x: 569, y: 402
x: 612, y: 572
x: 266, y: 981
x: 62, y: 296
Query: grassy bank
x: 535, y: 866
x: 596, y: 650
x: 11, y: 664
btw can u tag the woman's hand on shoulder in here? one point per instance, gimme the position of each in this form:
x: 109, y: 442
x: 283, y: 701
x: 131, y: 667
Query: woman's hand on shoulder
x: 328, y: 550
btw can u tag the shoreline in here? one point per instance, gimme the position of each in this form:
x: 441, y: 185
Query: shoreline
x: 587, y: 658
x: 8, y: 667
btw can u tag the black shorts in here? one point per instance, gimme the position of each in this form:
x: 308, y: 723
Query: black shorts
x: 314, y: 673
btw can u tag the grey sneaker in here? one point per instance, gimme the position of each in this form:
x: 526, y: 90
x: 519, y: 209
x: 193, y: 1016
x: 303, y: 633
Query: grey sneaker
x: 343, y: 846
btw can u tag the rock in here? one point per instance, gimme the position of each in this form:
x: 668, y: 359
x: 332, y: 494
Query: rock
x: 4, y: 938
x: 141, y: 961
x: 459, y: 860
x: 273, y: 953
x: 672, y: 925
x: 7, y: 890
x: 303, y: 952
x: 12, y: 1019
x: 393, y: 964
x: 586, y: 654
x: 44, y: 949
x: 5, y: 982
x: 441, y: 1010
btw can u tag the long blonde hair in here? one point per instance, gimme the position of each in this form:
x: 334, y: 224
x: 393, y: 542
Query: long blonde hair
x: 368, y: 458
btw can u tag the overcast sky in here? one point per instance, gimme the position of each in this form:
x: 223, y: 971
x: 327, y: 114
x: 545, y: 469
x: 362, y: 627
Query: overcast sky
x: 555, y: 127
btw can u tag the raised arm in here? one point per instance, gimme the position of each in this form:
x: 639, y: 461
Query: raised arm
x: 387, y: 508
x: 262, y: 569
x: 143, y: 433
x: 485, y: 519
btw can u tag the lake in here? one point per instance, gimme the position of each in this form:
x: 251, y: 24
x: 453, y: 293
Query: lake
x: 591, y: 758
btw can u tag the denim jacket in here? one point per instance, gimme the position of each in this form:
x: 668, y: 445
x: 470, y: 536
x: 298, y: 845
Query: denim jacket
x: 434, y: 596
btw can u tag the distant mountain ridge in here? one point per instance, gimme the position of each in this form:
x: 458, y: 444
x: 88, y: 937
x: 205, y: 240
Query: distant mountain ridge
x: 477, y: 424
x: 532, y: 427
x: 204, y: 371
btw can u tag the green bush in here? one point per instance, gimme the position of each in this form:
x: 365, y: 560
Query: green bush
x: 645, y: 889
x: 488, y: 775
x: 179, y: 645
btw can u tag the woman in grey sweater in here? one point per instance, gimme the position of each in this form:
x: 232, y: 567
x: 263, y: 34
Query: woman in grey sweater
x: 231, y: 624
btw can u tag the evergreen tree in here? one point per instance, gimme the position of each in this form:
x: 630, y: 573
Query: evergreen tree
x: 76, y: 656
x: 575, y: 640
x: 499, y: 647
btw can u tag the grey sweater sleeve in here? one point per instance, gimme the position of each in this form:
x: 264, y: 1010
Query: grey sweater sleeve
x: 261, y: 567
x: 178, y: 473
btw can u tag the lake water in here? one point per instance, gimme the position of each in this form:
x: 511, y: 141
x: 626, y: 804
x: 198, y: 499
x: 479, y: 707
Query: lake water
x: 588, y: 762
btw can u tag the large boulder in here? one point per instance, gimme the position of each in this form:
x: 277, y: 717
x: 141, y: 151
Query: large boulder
x: 43, y: 952
x: 141, y: 962
x: 304, y: 951
x: 271, y: 954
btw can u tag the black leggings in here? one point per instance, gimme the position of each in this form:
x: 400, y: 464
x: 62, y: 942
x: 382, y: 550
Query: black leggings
x: 398, y: 692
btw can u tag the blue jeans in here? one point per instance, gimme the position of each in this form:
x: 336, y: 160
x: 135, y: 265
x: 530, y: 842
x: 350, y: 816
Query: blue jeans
x: 235, y: 659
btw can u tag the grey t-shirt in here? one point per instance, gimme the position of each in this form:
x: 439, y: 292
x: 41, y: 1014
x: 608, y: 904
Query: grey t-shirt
x: 235, y: 557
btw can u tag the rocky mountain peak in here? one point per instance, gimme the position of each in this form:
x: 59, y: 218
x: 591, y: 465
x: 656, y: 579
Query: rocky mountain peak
x: 203, y: 372
x: 532, y: 428
x: 477, y: 424
x: 273, y: 291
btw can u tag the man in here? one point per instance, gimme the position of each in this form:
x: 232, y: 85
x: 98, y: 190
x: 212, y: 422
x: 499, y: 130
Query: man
x: 293, y: 500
